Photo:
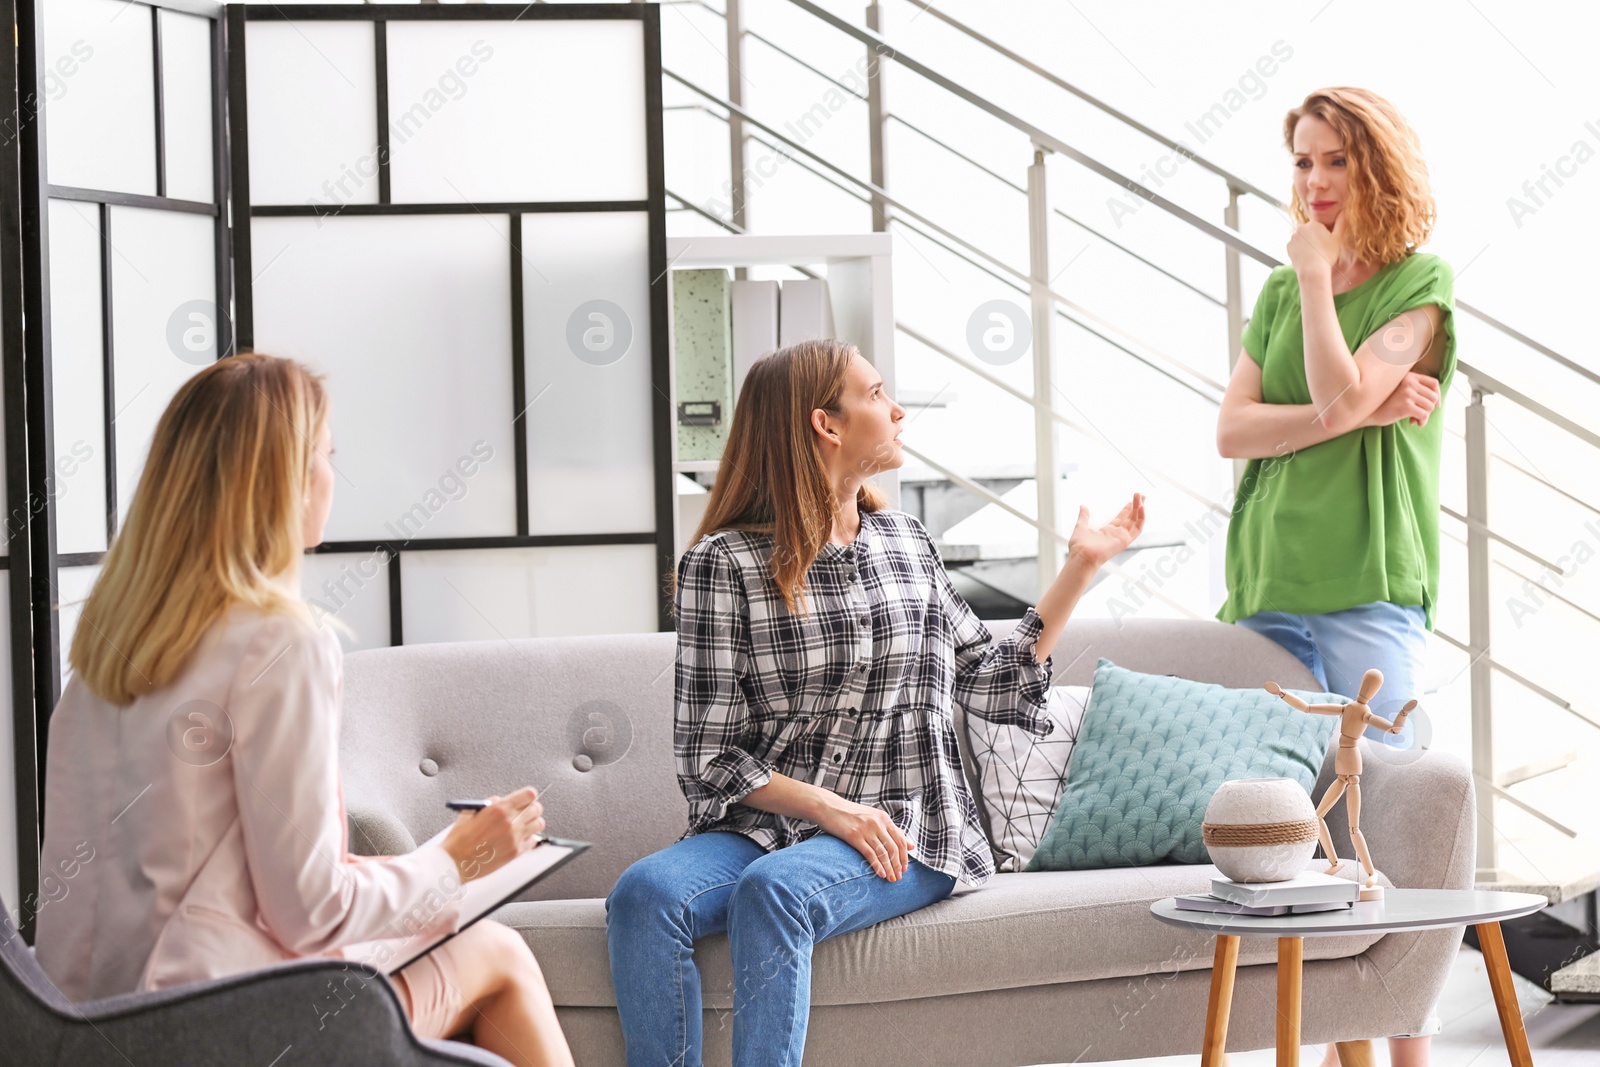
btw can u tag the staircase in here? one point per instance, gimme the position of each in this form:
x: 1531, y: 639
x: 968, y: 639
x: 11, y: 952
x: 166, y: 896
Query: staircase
x: 1013, y: 204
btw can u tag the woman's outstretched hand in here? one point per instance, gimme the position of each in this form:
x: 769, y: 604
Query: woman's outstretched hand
x: 1098, y: 546
x: 483, y: 841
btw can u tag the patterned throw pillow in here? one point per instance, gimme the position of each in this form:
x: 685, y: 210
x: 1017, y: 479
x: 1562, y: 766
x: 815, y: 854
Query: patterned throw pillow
x: 1021, y: 776
x: 1151, y: 752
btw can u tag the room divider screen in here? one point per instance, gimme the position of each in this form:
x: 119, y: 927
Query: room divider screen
x: 473, y: 194
x: 123, y: 285
x: 454, y: 213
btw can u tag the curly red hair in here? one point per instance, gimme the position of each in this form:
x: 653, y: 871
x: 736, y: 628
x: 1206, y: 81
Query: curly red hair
x: 1390, y: 210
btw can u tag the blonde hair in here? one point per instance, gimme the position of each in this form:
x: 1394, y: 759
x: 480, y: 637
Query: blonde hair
x: 214, y: 522
x: 1390, y: 212
x: 771, y: 479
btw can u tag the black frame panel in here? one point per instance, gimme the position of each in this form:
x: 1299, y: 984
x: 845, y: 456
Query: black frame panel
x: 655, y: 207
x: 30, y: 404
x: 41, y: 635
x: 19, y: 67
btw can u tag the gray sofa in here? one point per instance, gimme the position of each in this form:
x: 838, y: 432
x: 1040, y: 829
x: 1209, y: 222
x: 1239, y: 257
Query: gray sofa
x: 1029, y: 969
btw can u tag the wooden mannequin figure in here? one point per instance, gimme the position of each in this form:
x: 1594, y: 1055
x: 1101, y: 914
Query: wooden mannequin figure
x: 1353, y: 720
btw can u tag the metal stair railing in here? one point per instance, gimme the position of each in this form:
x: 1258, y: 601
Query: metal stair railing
x: 1047, y: 304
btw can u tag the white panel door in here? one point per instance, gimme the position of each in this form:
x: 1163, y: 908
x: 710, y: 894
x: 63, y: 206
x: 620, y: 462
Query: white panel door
x: 494, y: 594
x: 488, y: 112
x: 416, y: 346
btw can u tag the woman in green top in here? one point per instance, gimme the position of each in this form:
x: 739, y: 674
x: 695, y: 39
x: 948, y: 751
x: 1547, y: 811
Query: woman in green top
x: 1333, y: 546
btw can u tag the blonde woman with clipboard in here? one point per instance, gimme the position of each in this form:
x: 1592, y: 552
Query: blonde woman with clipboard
x: 195, y: 749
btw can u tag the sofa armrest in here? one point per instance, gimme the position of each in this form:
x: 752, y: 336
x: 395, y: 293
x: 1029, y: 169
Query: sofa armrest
x: 376, y: 832
x: 1418, y: 815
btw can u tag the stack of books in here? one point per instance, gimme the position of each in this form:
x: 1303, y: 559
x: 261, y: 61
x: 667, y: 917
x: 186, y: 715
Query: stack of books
x: 1311, y: 891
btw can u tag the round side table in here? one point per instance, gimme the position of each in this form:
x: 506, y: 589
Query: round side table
x: 1399, y: 910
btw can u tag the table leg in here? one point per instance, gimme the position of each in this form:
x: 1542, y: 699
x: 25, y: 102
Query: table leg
x: 1221, y: 1002
x: 1493, y: 945
x: 1291, y: 951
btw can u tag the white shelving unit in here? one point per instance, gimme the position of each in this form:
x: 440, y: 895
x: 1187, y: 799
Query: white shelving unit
x: 860, y: 291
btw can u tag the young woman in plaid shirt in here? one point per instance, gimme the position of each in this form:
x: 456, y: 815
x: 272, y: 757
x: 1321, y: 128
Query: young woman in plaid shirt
x: 820, y: 648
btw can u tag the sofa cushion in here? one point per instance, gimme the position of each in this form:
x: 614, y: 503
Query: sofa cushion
x: 1021, y: 776
x: 1018, y: 930
x: 1152, y: 751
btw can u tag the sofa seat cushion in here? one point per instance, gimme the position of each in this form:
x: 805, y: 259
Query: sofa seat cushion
x: 1018, y: 930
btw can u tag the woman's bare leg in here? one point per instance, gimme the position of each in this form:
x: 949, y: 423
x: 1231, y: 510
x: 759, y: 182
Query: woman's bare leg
x: 1403, y: 1052
x: 1409, y: 1051
x: 504, y: 999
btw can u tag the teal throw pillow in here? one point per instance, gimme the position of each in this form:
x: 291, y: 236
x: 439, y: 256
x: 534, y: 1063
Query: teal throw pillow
x: 1151, y: 752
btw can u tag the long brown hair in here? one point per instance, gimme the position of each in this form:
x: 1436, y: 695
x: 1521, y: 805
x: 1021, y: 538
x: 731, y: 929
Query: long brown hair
x: 1391, y: 208
x: 771, y: 479
x: 215, y: 522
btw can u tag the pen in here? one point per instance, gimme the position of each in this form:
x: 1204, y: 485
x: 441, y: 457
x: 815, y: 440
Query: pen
x: 479, y: 805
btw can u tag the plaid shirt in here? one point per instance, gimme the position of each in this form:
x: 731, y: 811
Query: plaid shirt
x: 856, y: 699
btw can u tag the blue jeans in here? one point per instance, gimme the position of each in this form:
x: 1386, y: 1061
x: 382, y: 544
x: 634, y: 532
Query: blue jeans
x: 1340, y: 646
x: 774, y: 906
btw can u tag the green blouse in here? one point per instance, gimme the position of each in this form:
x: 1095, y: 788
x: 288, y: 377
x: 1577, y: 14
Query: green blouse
x: 1355, y: 519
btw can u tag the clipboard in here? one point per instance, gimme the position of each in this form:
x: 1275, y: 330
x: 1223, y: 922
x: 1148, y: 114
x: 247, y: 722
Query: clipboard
x: 478, y: 898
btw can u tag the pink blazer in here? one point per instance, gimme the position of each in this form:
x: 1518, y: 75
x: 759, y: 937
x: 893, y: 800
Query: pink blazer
x: 178, y: 853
